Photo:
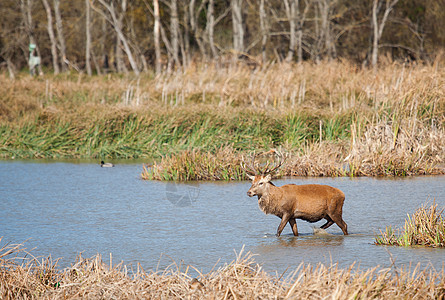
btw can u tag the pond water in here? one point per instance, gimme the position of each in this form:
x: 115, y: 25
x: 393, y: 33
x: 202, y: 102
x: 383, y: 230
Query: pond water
x: 64, y: 208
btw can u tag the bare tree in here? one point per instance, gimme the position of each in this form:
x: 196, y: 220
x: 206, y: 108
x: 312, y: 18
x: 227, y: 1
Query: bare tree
x: 197, y: 31
x: 296, y: 19
x: 186, y: 56
x: 88, y: 37
x: 290, y: 13
x: 210, y: 27
x: 378, y: 26
x: 264, y: 30
x: 212, y: 21
x: 237, y: 22
x: 174, y: 31
x: 115, y: 18
x: 51, y: 36
x: 156, y: 33
x: 325, y: 38
x: 60, y: 36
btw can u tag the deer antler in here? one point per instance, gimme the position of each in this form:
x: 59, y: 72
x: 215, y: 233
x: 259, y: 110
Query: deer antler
x: 255, y: 168
x: 272, y: 167
x: 249, y: 168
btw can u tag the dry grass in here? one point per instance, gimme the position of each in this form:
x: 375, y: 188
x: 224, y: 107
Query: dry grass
x: 241, y: 279
x: 329, y: 88
x: 334, y: 118
x: 380, y: 151
x: 426, y: 227
x: 197, y: 165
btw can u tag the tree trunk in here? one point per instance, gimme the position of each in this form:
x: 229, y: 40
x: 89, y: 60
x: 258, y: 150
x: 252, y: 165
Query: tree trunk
x: 195, y: 27
x: 378, y: 27
x: 51, y: 36
x: 169, y: 49
x: 60, y: 36
x: 375, y: 40
x: 290, y: 13
x: 105, y: 64
x: 156, y: 33
x: 117, y: 24
x: 300, y: 43
x: 186, y: 21
x: 88, y: 37
x: 119, y: 55
x: 238, y: 30
x: 211, y: 27
x: 174, y: 30
x: 264, y: 30
x: 326, y: 34
x: 301, y: 18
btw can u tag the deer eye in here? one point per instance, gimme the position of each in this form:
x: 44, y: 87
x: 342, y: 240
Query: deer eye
x: 261, y: 183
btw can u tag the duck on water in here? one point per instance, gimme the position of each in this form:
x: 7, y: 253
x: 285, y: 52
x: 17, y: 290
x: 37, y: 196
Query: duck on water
x: 106, y: 165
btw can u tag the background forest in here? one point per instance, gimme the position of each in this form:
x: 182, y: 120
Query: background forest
x: 201, y: 83
x: 99, y: 36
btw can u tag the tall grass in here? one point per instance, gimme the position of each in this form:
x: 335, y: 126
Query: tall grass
x: 92, y: 278
x: 196, y: 165
x: 334, y: 118
x: 425, y: 227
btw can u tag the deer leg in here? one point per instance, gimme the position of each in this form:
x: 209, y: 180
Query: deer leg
x: 328, y: 223
x: 283, y: 223
x: 342, y: 224
x: 293, y: 225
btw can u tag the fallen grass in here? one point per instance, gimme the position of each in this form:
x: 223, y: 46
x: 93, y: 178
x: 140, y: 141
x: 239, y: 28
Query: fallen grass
x: 91, y: 278
x: 425, y: 227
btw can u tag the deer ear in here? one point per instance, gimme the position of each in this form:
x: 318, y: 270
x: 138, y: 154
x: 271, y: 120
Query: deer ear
x: 268, y: 178
x: 251, y: 177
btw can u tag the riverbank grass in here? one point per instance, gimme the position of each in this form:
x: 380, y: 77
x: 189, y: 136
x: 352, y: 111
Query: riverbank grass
x: 425, y: 227
x: 334, y: 119
x: 243, y: 278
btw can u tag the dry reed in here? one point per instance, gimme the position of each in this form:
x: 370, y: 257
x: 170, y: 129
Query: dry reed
x: 242, y: 278
x: 334, y: 118
x: 426, y: 227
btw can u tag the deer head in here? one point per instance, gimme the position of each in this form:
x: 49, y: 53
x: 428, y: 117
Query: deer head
x: 260, y: 172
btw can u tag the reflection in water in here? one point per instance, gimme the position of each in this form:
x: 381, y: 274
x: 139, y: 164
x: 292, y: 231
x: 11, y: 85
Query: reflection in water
x: 181, y: 195
x: 67, y: 208
x: 303, y: 242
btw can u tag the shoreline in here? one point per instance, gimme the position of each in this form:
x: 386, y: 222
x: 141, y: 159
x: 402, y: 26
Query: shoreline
x: 241, y: 278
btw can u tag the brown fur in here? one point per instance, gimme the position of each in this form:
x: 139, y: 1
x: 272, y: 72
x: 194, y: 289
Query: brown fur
x: 310, y: 202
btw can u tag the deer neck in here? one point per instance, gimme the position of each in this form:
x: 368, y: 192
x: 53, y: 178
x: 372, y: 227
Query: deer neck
x: 268, y: 200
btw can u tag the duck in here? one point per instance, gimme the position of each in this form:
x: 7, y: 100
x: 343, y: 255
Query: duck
x: 106, y: 165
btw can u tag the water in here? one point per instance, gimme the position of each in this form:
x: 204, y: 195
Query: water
x: 64, y: 208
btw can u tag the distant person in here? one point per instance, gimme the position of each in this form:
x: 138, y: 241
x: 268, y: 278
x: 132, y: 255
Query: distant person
x: 34, y: 60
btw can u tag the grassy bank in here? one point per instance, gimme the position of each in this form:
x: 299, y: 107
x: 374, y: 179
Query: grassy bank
x: 425, y: 227
x: 240, y: 279
x: 333, y: 119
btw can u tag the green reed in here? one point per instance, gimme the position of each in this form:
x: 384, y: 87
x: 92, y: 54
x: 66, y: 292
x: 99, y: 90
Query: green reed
x: 425, y: 227
x: 133, y: 134
x: 196, y: 165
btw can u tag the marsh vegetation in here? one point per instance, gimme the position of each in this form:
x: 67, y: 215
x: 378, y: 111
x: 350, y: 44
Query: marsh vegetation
x: 333, y: 119
x: 425, y: 227
x: 39, y: 278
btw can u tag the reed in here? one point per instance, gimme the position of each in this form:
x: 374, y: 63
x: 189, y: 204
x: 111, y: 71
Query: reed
x: 196, y: 165
x: 334, y: 119
x: 92, y: 278
x: 425, y: 227
x: 374, y: 154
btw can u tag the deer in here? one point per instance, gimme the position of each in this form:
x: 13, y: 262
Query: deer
x: 309, y: 202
